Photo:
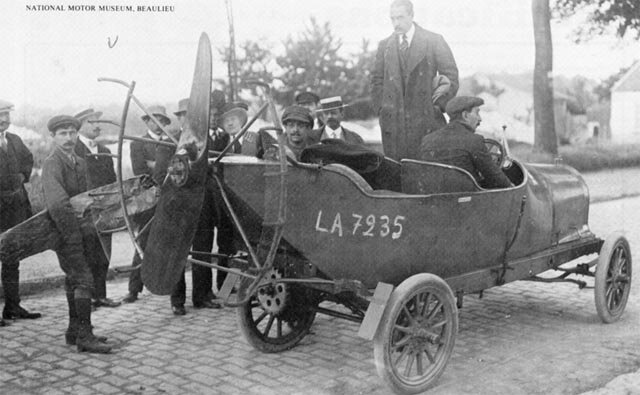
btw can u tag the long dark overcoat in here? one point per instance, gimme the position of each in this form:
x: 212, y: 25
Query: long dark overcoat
x: 14, y: 202
x: 406, y: 108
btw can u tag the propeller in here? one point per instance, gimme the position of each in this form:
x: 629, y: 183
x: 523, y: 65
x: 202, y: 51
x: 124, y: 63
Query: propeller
x: 181, y: 195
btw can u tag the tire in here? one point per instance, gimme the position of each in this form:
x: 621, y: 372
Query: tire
x: 424, y: 306
x: 613, y: 278
x: 278, y: 321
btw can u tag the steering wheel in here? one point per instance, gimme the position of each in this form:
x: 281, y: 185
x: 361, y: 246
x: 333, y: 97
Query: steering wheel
x: 495, y: 150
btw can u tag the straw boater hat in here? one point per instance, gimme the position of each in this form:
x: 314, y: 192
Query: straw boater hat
x: 158, y: 112
x: 182, y: 107
x: 238, y: 109
x: 331, y: 103
x: 5, y: 106
x: 86, y: 114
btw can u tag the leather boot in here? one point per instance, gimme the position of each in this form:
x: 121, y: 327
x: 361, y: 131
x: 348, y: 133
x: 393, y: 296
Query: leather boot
x: 86, y: 341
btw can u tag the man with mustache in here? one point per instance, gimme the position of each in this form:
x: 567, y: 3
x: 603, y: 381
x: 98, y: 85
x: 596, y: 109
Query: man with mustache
x: 332, y: 110
x: 297, y: 122
x: 64, y: 176
x: 16, y: 163
x: 457, y: 144
x: 407, y: 66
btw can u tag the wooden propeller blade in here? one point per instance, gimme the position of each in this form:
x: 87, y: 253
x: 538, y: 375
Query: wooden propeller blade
x: 178, y: 209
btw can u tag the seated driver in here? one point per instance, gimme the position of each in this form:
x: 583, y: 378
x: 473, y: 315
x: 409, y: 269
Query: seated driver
x: 457, y: 144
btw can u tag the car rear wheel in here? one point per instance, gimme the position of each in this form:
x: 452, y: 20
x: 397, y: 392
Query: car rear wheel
x: 613, y: 278
x: 416, y: 334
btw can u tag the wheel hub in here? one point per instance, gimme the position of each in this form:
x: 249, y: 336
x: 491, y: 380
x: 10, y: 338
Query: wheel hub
x: 273, y: 295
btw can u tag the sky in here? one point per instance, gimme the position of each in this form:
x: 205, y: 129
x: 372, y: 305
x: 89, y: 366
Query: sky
x: 53, y: 58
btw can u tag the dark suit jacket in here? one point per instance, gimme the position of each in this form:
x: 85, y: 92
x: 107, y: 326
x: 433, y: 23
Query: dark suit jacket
x: 456, y: 144
x: 14, y: 202
x: 62, y: 179
x: 405, y: 105
x: 140, y: 153
x: 100, y: 169
x: 349, y: 136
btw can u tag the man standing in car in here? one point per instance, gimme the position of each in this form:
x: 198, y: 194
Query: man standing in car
x: 402, y: 83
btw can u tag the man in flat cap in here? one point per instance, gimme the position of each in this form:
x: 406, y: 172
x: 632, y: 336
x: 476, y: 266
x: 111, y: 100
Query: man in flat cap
x: 143, y: 162
x: 297, y: 122
x: 64, y: 176
x: 403, y: 79
x: 332, y: 110
x: 100, y: 172
x: 16, y: 163
x: 457, y: 144
x: 234, y: 117
x: 311, y: 101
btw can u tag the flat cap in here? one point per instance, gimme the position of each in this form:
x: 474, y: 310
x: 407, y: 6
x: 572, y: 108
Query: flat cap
x: 88, y: 113
x: 60, y: 121
x: 5, y: 106
x: 182, y: 106
x: 297, y: 113
x: 462, y: 103
x: 307, y: 97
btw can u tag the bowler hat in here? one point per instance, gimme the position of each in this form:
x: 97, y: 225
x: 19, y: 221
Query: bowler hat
x: 307, y: 97
x: 217, y: 100
x: 5, y: 106
x: 60, y: 121
x: 331, y: 103
x: 182, y: 107
x: 158, y: 112
x: 462, y: 103
x: 236, y: 109
x: 297, y: 113
x: 86, y: 114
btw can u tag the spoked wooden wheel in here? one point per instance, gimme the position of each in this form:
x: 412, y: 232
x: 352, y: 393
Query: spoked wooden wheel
x: 278, y: 316
x: 416, y: 335
x: 613, y: 278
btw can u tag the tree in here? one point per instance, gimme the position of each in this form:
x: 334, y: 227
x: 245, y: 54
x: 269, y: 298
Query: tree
x: 253, y: 61
x: 603, y: 91
x: 544, y: 126
x: 602, y: 15
x: 311, y: 62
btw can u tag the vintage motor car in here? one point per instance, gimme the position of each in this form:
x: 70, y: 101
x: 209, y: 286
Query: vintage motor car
x: 392, y: 245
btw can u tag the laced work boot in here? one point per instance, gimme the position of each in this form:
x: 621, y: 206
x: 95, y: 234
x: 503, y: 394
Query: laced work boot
x: 86, y: 341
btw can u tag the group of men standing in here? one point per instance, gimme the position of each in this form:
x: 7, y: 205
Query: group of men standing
x: 414, y: 82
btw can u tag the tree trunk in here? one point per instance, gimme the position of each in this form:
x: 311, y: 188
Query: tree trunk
x: 545, y: 133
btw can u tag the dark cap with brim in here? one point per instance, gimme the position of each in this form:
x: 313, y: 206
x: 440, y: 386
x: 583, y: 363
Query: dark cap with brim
x: 297, y: 113
x: 462, y: 103
x: 307, y: 97
x: 61, y: 121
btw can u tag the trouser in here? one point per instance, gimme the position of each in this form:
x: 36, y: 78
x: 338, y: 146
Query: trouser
x: 99, y: 264
x: 135, y: 278
x: 72, y: 257
x: 11, y: 283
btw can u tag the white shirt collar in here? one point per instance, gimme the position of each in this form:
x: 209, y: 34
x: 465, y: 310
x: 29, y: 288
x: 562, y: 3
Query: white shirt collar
x: 409, y: 34
x: 153, y: 135
x: 329, y: 133
x: 90, y: 144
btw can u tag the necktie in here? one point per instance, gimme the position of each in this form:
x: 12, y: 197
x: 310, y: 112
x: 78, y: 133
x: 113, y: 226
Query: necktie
x: 237, y: 147
x: 92, y: 143
x: 3, y: 142
x: 404, y: 47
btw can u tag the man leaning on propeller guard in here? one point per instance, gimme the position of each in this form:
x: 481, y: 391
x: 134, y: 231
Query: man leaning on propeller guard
x: 63, y: 176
